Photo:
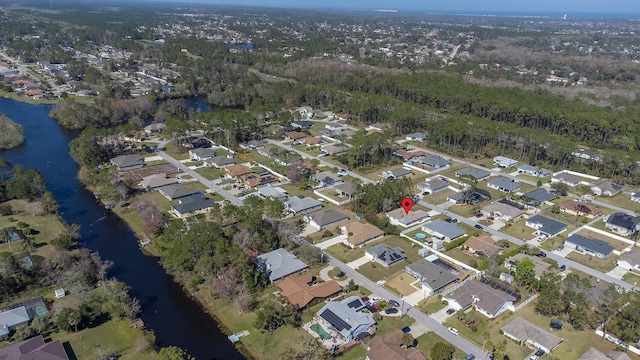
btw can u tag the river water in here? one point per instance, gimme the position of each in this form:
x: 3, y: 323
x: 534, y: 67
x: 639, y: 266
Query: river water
x: 174, y: 317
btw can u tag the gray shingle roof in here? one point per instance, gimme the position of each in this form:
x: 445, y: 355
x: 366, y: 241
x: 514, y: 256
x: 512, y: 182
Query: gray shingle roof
x: 345, y: 318
x: 193, y: 203
x: 298, y: 204
x: 594, y: 245
x: 444, y: 228
x: 34, y: 349
x: 386, y: 254
x: 549, y: 226
x: 432, y: 275
x: 434, y: 161
x: 524, y: 330
x: 623, y: 220
x: 327, y: 217
x: 505, y: 184
x: 124, y: 161
x: 475, y: 173
x: 176, y: 191
x: 280, y: 263
x: 486, y: 297
x: 540, y: 195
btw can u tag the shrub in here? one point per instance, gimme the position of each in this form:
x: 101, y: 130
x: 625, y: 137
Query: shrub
x: 474, y: 328
x: 455, y: 243
x: 327, y: 233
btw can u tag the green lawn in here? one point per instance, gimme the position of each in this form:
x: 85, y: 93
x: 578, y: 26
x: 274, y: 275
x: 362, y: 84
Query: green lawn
x: 344, y: 253
x: 621, y: 200
x: 439, y: 197
x: 115, y: 336
x: 393, y: 322
x: 602, y: 265
x: 210, y: 172
x: 357, y: 353
x: 431, y: 305
x: 631, y: 278
x: 427, y: 341
x: 461, y: 256
x: 519, y: 230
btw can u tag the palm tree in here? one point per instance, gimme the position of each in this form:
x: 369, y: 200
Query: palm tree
x: 5, y: 235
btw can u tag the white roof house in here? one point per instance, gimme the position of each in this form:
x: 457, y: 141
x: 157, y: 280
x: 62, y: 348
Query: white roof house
x: 504, y: 162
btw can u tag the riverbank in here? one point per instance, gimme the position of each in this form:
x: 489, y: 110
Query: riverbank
x: 11, y: 134
x: 29, y: 100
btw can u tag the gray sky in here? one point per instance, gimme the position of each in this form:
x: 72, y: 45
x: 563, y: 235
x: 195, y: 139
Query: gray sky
x: 533, y: 6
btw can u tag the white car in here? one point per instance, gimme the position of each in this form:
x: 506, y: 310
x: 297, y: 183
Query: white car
x: 374, y: 298
x: 454, y: 331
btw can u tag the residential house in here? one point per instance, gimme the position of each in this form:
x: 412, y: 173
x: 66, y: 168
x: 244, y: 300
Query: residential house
x: 13, y: 319
x: 530, y: 335
x: 468, y: 197
x: 568, y: 179
x: 346, y: 189
x: 377, y: 127
x: 487, y: 300
x: 274, y: 192
x: 201, y: 153
x: 279, y: 264
x: 334, y: 127
x: 236, y: 170
x: 219, y: 162
x: 433, y: 278
x: 302, y: 124
x: 474, y: 173
x: 34, y: 349
x: 539, y: 265
x: 154, y: 128
x: 325, y: 218
x: 385, y: 255
x: 253, y: 144
x: 399, y: 217
x: 254, y: 180
x: 155, y: 181
x: 301, y: 293
x: 504, y: 210
x: 332, y: 149
x: 532, y: 170
x: 396, y: 173
x: 434, y: 161
x: 345, y: 133
x: 545, y: 226
x: 622, y: 223
x: 346, y: 317
x: 128, y: 162
x: 604, y: 187
x: 482, y: 245
x: 312, y: 141
x: 305, y: 112
x: 295, y: 135
x: 433, y: 186
x: 406, y: 156
x: 389, y: 347
x: 416, y: 136
x: 630, y: 260
x: 443, y: 230
x: 578, y: 208
x: 504, y: 184
x: 189, y: 205
x: 588, y: 246
x: 359, y: 233
x: 635, y: 197
x: 301, y: 205
x: 504, y: 162
x: 327, y: 179
x: 176, y: 191
x: 593, y: 354
x: 538, y: 197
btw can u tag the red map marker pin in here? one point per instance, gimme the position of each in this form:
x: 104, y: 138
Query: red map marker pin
x: 407, y: 204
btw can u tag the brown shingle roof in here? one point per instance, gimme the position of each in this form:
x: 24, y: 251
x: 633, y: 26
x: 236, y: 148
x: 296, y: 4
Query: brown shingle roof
x: 387, y: 347
x: 484, y: 244
x: 577, y: 206
x: 362, y: 232
x: 311, y: 140
x: 299, y: 293
x: 237, y: 170
x: 34, y: 349
x: 295, y: 135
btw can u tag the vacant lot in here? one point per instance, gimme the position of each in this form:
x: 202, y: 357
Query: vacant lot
x: 344, y: 253
x: 427, y: 341
x: 602, y: 265
x: 439, y: 197
x: 401, y: 284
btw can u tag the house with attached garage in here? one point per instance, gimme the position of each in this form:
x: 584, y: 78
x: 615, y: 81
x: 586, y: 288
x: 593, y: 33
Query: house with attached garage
x: 325, y: 218
x: 539, y: 265
x: 635, y: 197
x: 532, y: 170
x: 128, y: 162
x: 487, y: 300
x: 346, y: 189
x: 545, y: 226
x: 389, y: 347
x: 433, y: 186
x: 434, y: 161
x: 504, y: 162
x: 578, y: 208
x: 385, y: 255
x: 301, y: 205
x: 35, y: 349
x: 274, y: 192
x: 504, y: 184
x: 621, y: 223
x: 396, y: 173
x: 473, y: 173
x: 193, y: 204
x: 530, y: 335
x: 13, y: 319
x: 176, y: 191
x: 219, y: 162
x: 588, y: 246
x: 279, y: 264
x: 327, y: 178
x: 416, y: 136
x: 346, y: 317
x: 201, y: 153
x: 302, y: 124
x: 504, y: 210
x: 443, y: 230
x: 300, y: 292
x: 482, y: 245
x: 433, y: 278
x: 567, y: 179
x: 604, y: 187
x: 538, y: 197
x: 399, y: 217
x: 359, y: 233
x: 407, y: 156
x: 630, y: 260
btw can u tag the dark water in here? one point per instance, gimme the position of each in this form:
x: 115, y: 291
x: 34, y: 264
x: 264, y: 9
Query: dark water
x: 176, y: 319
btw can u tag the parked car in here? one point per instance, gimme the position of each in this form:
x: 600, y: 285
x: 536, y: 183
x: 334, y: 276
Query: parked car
x: 542, y: 254
x: 454, y: 331
x: 406, y: 329
x: 375, y: 298
x: 561, y: 247
x: 539, y: 353
x: 563, y: 267
x: 470, y: 357
x: 451, y: 311
x: 394, y: 303
x: 391, y: 311
x: 479, y: 227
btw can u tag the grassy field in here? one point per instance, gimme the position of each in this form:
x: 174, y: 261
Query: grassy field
x: 439, y: 197
x: 115, y: 336
x: 344, y: 253
x: 427, y: 341
x: 621, y: 200
x: 431, y: 305
x: 602, y: 265
x: 519, y: 230
x: 174, y: 152
x: 393, y: 322
x: 461, y: 256
x: 401, y: 284
x: 631, y: 278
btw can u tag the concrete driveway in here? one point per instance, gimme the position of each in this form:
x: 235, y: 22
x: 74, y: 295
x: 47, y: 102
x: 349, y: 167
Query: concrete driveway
x: 359, y: 262
x: 441, y: 315
x: 617, y: 272
x: 336, y: 240
x: 414, y: 298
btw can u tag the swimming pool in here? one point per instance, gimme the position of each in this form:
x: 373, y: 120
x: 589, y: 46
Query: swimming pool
x: 324, y: 335
x: 420, y: 236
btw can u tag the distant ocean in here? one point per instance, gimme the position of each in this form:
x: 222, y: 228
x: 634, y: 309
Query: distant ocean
x: 552, y: 15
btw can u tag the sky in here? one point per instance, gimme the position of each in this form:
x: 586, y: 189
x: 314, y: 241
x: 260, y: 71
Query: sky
x: 461, y: 6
